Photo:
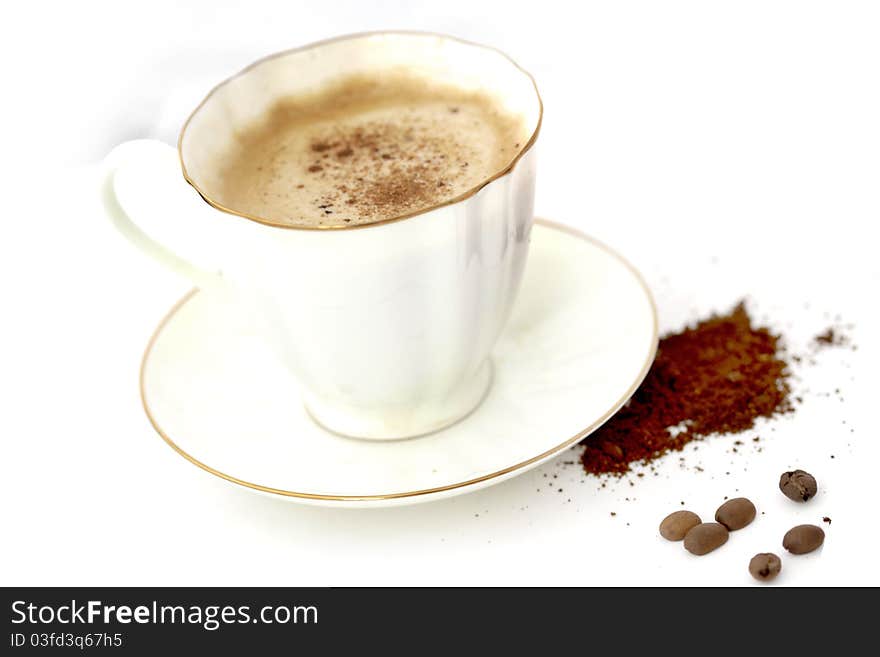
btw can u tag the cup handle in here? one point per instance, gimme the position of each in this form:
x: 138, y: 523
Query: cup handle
x: 145, y: 176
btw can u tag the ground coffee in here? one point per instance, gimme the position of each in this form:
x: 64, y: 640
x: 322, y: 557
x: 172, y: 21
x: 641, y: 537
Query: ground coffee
x: 718, y: 376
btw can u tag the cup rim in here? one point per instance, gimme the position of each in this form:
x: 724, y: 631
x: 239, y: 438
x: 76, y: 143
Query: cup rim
x: 345, y: 37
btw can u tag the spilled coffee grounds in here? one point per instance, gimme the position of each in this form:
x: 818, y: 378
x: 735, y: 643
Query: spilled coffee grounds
x: 831, y: 337
x: 718, y: 376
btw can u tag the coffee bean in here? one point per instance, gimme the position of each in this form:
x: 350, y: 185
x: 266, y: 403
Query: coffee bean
x: 704, y: 538
x: 677, y: 524
x: 765, y: 566
x: 803, y: 539
x: 736, y: 513
x: 798, y: 485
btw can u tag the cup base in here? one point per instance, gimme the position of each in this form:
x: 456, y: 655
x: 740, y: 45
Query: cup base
x: 408, y: 422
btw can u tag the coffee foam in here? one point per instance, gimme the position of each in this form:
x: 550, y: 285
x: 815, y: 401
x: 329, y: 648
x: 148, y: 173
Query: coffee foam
x: 367, y: 149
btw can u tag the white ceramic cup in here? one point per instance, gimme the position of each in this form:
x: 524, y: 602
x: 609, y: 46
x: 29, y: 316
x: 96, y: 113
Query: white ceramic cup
x: 387, y: 326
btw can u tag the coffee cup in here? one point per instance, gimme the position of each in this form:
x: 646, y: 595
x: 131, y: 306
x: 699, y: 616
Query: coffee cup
x: 386, y: 324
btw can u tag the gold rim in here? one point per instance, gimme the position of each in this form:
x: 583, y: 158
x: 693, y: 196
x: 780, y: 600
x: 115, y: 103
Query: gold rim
x: 426, y: 491
x: 346, y: 37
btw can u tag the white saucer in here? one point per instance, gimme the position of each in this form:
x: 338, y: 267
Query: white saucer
x: 581, y: 339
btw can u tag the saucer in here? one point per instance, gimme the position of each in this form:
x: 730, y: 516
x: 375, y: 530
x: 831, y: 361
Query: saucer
x: 581, y: 338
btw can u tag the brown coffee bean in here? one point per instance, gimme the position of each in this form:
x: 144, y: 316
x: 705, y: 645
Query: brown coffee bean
x: 765, y: 566
x: 798, y: 485
x: 705, y: 537
x: 736, y: 513
x: 677, y: 524
x: 803, y: 539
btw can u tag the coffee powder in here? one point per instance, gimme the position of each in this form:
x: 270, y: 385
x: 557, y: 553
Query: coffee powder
x: 831, y: 337
x: 716, y: 377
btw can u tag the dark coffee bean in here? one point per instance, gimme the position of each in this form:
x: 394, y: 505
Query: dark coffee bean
x: 765, y: 566
x: 677, y: 524
x: 803, y: 539
x: 704, y: 538
x: 736, y: 513
x: 798, y: 485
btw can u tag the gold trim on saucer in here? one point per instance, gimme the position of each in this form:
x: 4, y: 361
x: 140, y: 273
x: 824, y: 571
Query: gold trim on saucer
x: 427, y: 491
x: 461, y: 197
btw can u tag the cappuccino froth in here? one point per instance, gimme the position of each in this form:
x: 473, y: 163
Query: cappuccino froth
x: 368, y: 149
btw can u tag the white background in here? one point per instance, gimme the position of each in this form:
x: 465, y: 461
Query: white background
x: 727, y: 149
